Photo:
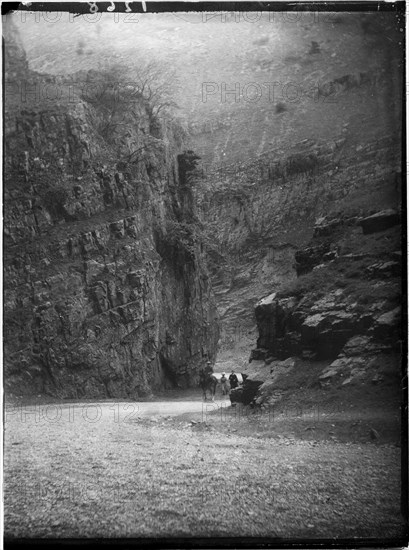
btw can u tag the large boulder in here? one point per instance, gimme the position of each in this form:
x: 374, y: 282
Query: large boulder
x: 246, y: 393
x: 254, y: 376
x: 257, y: 371
x: 327, y: 332
x: 324, y: 227
x: 260, y: 385
x: 387, y: 325
x: 380, y: 221
x: 273, y: 316
x: 307, y: 258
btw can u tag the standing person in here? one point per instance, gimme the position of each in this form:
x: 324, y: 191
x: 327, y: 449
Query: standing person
x: 223, y: 382
x: 208, y: 381
x: 234, y: 381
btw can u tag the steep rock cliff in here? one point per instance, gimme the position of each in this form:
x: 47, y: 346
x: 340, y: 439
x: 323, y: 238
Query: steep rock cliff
x: 101, y: 297
x: 264, y: 211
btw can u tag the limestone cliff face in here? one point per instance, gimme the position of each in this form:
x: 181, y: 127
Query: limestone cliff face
x: 265, y: 212
x: 101, y: 297
x: 311, y: 240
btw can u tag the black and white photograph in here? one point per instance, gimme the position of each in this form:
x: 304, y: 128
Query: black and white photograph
x: 205, y: 274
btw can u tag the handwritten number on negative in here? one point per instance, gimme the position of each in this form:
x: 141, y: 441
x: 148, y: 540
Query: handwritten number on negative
x: 93, y: 7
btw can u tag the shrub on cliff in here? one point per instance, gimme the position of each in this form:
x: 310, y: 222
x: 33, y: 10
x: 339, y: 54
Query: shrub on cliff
x: 187, y: 238
x: 316, y: 281
x: 181, y: 236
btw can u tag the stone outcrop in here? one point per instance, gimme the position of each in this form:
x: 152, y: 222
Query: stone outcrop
x: 379, y: 221
x: 359, y: 360
x: 320, y: 329
x: 105, y: 289
x: 269, y: 392
x: 387, y: 325
x: 346, y: 312
x: 289, y: 325
x: 253, y: 378
x: 307, y: 258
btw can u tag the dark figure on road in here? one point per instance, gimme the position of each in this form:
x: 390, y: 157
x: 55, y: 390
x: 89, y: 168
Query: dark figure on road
x: 208, y: 383
x: 223, y: 382
x: 234, y: 381
x: 208, y: 368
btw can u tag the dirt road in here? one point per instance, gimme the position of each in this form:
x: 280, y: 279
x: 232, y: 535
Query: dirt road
x: 119, y: 411
x: 165, y: 468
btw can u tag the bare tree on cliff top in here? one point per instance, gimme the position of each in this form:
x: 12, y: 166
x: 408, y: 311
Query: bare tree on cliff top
x: 116, y: 91
x: 157, y: 83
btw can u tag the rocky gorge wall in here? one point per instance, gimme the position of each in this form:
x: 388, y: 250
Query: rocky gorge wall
x: 330, y: 313
x: 341, y: 323
x: 100, y: 299
x: 266, y: 209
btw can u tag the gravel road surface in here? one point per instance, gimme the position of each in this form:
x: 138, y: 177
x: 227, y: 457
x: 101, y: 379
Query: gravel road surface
x: 121, y: 469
